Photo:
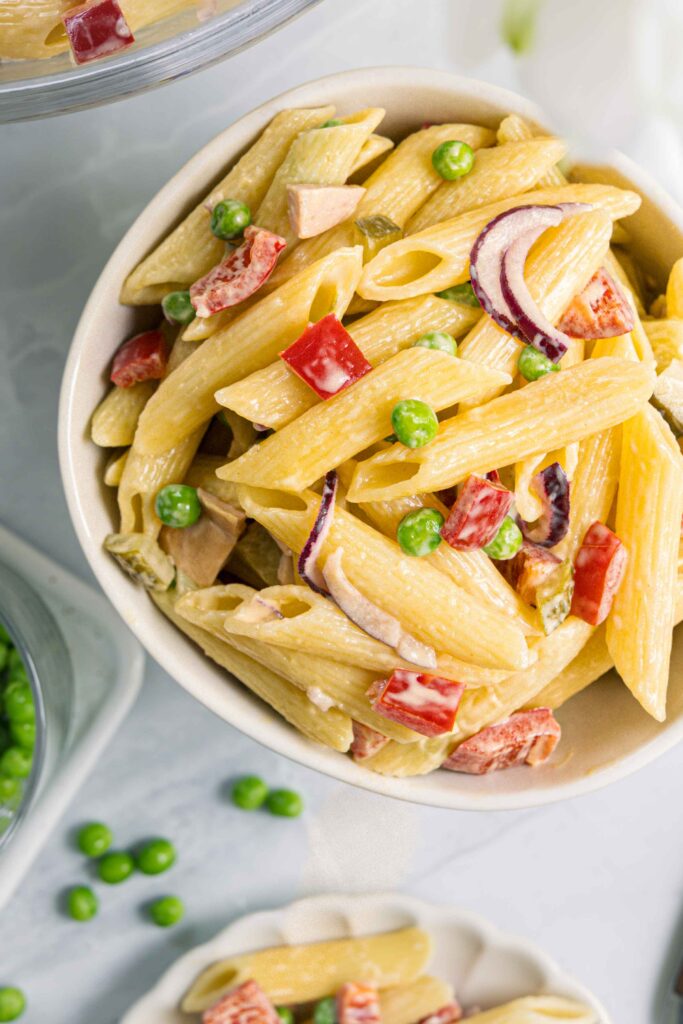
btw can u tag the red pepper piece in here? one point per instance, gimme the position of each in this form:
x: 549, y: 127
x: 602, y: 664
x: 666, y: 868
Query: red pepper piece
x: 366, y: 741
x: 96, y: 29
x: 477, y: 514
x: 358, y: 1004
x: 246, y: 1004
x: 140, y: 358
x: 326, y: 357
x: 422, y: 702
x: 448, y: 1014
x: 527, y: 737
x: 531, y: 566
x: 601, y: 310
x: 598, y: 571
x: 240, y: 274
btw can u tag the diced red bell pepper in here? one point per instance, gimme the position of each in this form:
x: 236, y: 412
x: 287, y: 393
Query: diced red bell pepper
x: 599, y: 568
x: 326, y: 357
x: 96, y: 29
x: 424, y: 703
x: 527, y: 737
x: 240, y: 274
x: 477, y: 514
x: 529, y: 568
x: 143, y: 357
x: 366, y: 741
x: 358, y: 1004
x: 246, y: 1004
x: 448, y: 1014
x: 601, y: 310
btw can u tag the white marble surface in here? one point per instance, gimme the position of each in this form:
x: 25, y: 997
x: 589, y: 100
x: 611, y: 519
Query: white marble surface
x: 598, y: 882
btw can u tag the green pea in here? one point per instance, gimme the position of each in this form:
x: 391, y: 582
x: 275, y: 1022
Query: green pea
x: 325, y: 1011
x: 94, y: 839
x: 414, y: 422
x: 453, y: 159
x: 82, y: 903
x: 156, y: 856
x: 19, y: 705
x: 12, y: 1003
x: 10, y: 792
x: 440, y: 340
x: 419, y: 533
x: 5, y: 741
x: 177, y: 505
x: 462, y: 294
x: 15, y: 663
x: 24, y: 734
x: 249, y: 793
x: 285, y: 1014
x: 533, y: 364
x: 116, y: 867
x: 507, y: 541
x: 167, y: 911
x: 285, y: 803
x: 178, y: 308
x: 4, y: 655
x: 229, y: 218
x: 333, y: 122
x: 16, y: 763
x: 5, y: 638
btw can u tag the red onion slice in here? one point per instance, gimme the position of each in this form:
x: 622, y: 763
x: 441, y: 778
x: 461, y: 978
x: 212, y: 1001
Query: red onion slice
x: 535, y: 327
x: 370, y: 618
x: 489, y: 249
x: 308, y: 559
x: 552, y: 488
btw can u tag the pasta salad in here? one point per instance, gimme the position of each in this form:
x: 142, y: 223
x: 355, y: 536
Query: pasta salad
x: 402, y: 453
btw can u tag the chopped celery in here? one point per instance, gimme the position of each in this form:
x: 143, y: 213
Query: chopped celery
x: 554, y: 596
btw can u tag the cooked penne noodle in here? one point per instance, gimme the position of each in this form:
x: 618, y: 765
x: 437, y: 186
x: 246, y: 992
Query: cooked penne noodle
x: 648, y: 522
x: 404, y: 760
x: 300, y: 974
x: 116, y: 417
x: 372, y: 151
x: 191, y: 249
x: 666, y: 339
x: 375, y: 564
x: 332, y: 728
x: 359, y: 416
x: 185, y: 399
x: 414, y: 1000
x: 275, y: 396
x: 438, y: 257
x: 498, y: 172
x: 588, y: 398
x: 143, y: 477
x: 674, y: 291
x: 113, y: 471
x: 537, y: 1010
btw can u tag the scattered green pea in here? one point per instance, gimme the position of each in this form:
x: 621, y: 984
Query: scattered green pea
x: 23, y: 734
x: 285, y: 803
x: 439, y: 340
x: 94, y: 839
x: 16, y: 763
x: 325, y: 1011
x: 82, y: 903
x: 453, y: 159
x: 5, y: 741
x: 115, y: 867
x: 15, y: 663
x: 4, y: 655
x: 229, y: 218
x: 156, y: 856
x: 5, y: 638
x: 19, y: 706
x: 10, y: 791
x: 333, y: 122
x: 178, y: 308
x: 167, y: 911
x: 414, y: 422
x: 178, y: 506
x: 461, y: 293
x: 533, y: 364
x: 285, y: 1014
x: 249, y: 793
x: 507, y: 541
x: 12, y: 1003
x: 419, y: 532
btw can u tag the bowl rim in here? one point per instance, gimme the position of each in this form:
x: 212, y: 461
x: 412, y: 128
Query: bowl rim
x: 289, y: 742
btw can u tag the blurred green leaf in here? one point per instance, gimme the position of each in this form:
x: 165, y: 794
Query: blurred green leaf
x: 518, y: 25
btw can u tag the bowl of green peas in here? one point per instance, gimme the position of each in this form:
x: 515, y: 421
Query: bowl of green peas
x: 35, y: 698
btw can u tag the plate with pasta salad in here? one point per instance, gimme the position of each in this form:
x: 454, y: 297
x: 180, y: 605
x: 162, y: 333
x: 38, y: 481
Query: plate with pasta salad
x: 376, y: 409
x: 383, y: 959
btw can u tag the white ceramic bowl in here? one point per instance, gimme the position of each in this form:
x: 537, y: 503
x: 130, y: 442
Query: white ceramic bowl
x: 485, y: 966
x: 606, y: 734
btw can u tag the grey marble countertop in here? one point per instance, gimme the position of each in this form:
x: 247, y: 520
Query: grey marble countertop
x: 598, y: 882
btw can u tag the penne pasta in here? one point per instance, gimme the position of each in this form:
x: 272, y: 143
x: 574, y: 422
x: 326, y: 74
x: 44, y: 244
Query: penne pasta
x: 571, y: 405
x: 537, y: 1010
x: 666, y: 339
x: 373, y: 150
x: 414, y: 1000
x: 648, y: 522
x: 116, y: 417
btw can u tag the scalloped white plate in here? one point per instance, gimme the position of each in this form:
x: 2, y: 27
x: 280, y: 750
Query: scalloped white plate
x: 605, y: 733
x: 485, y: 966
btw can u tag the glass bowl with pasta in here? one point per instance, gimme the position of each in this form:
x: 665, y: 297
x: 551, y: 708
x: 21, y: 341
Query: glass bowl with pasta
x: 372, y: 957
x: 382, y: 457
x: 59, y: 55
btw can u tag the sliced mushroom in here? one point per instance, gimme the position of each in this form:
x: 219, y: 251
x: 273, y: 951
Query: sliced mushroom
x: 201, y: 550
x: 256, y: 558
